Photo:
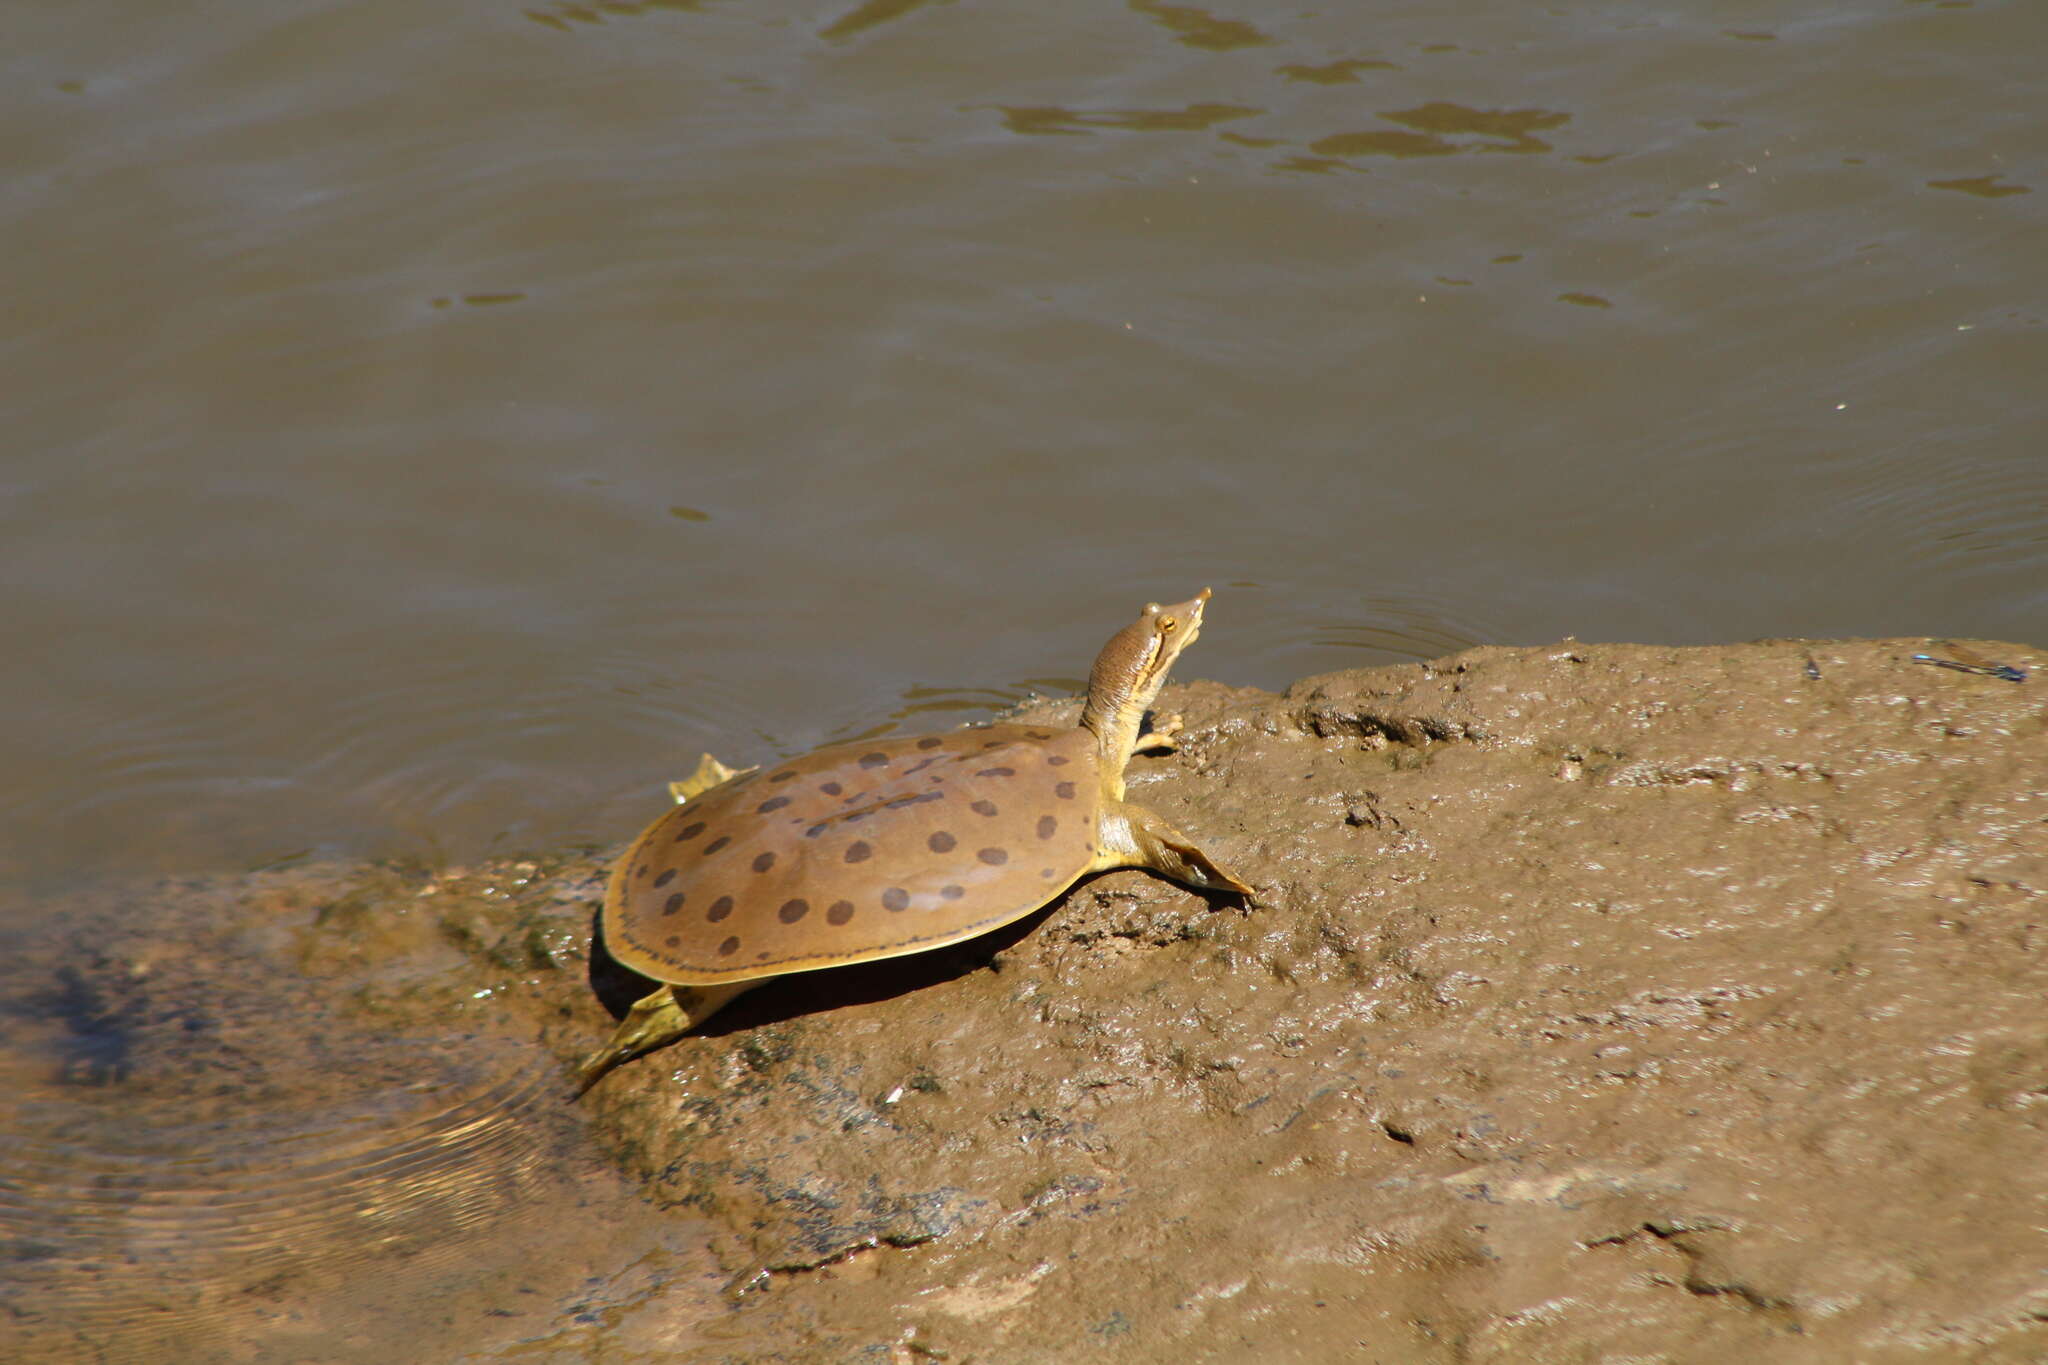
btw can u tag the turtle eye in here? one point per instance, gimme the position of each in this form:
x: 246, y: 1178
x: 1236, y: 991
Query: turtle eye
x: 1167, y: 625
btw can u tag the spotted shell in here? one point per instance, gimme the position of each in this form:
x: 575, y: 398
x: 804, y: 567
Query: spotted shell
x: 858, y: 851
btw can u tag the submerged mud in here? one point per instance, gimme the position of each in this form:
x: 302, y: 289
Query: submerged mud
x: 1596, y: 1002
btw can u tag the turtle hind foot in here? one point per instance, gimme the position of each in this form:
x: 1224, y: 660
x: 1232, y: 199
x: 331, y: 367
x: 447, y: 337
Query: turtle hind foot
x: 654, y: 1021
x: 709, y: 773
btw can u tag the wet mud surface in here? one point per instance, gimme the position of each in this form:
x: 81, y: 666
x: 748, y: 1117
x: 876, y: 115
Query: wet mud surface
x: 1597, y: 1002
x: 280, y: 1118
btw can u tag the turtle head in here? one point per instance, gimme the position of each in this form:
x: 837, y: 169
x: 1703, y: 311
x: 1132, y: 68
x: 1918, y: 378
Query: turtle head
x: 1130, y: 671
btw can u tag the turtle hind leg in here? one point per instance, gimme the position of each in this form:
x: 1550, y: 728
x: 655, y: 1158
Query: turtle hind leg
x: 1157, y: 845
x: 655, y: 1021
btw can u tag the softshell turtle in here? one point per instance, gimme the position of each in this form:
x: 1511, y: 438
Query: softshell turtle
x: 885, y: 847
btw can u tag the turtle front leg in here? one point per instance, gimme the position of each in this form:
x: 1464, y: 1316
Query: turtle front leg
x: 1148, y: 841
x: 655, y: 1021
x: 1166, y: 735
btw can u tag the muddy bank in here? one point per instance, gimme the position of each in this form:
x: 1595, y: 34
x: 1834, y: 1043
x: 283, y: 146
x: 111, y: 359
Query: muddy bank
x: 1597, y: 1002
x: 277, y: 1118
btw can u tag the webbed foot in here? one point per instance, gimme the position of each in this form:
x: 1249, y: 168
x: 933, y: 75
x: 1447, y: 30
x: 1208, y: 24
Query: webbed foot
x: 655, y: 1021
x: 1167, y: 851
x: 1165, y: 735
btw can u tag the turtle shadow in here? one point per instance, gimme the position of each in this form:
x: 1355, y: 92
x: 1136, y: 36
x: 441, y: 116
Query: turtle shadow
x: 799, y: 994
x: 823, y: 989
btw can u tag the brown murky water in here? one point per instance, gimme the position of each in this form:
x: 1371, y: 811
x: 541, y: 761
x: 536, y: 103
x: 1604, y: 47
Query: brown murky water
x: 426, y: 432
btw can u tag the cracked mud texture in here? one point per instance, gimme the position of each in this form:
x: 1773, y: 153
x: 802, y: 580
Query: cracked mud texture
x: 1598, y: 1003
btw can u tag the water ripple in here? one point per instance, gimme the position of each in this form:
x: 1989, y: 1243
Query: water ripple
x: 191, y: 1123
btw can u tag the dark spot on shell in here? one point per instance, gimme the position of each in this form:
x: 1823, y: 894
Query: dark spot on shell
x: 673, y: 941
x: 773, y: 803
x: 952, y: 893
x: 1047, y: 873
x: 920, y: 765
x: 993, y: 743
x: 729, y: 947
x: 673, y: 904
x: 983, y: 808
x: 720, y: 908
x: 1064, y: 791
x: 793, y: 910
x: 994, y: 857
x: 1046, y: 826
x: 997, y: 772
x: 830, y: 788
x: 1056, y: 760
x: 716, y: 844
x: 877, y: 760
x: 839, y: 912
x: 930, y: 742
x: 855, y: 817
x: 644, y: 870
x: 814, y: 831
x: 895, y: 898
x: 690, y: 831
x: 782, y: 776
x: 764, y: 861
x: 859, y: 851
x: 1039, y: 734
x: 666, y: 877
x: 940, y: 842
